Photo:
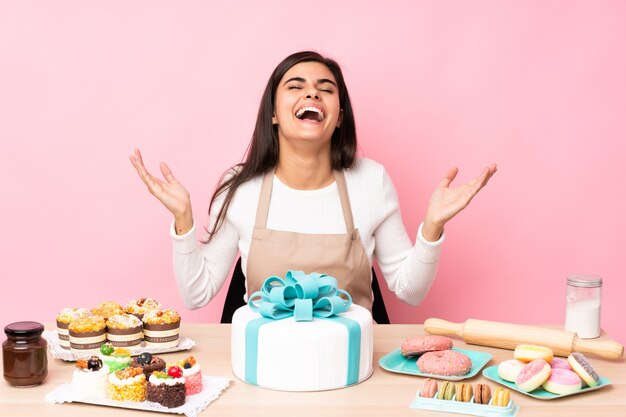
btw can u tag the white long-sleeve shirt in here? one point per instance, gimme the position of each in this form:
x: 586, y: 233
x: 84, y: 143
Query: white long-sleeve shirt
x: 201, y: 269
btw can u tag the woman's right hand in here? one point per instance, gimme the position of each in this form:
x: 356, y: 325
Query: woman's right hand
x: 169, y: 192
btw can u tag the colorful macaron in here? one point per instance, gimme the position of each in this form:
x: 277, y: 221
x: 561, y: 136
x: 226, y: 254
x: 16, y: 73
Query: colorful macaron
x: 482, y: 394
x: 429, y: 389
x: 583, y: 368
x: 446, y: 392
x: 501, y: 397
x: 464, y: 392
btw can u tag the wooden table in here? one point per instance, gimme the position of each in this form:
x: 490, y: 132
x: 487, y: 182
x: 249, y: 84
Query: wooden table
x: 384, y: 394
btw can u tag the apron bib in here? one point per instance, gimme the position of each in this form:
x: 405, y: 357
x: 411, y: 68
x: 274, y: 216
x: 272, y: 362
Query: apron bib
x: 274, y: 252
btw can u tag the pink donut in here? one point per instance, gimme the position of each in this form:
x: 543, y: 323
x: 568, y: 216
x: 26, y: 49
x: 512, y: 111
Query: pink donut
x: 563, y: 381
x: 533, y: 375
x: 416, y: 345
x: 444, y: 362
x: 560, y: 363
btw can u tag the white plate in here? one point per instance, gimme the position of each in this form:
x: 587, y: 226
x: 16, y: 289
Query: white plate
x: 52, y: 336
x: 212, y: 388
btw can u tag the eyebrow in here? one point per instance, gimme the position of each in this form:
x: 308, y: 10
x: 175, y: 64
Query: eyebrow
x: 320, y: 81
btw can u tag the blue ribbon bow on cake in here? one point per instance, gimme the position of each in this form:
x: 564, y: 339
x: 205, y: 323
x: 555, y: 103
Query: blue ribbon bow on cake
x: 300, y: 295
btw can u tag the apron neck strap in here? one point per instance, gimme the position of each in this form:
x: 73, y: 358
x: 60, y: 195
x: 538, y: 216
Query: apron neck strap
x: 266, y: 192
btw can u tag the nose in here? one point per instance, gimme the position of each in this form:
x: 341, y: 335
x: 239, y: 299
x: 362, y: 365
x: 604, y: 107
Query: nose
x: 312, y: 94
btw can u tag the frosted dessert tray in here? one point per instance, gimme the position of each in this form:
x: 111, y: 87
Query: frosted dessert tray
x: 52, y: 336
x: 539, y: 393
x: 398, y: 363
x: 213, y: 386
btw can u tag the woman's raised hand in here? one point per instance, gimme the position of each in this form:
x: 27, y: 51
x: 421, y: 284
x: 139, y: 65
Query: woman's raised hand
x: 446, y: 202
x: 169, y: 192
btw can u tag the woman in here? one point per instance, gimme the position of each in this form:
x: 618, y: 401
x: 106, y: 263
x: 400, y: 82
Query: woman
x: 303, y: 201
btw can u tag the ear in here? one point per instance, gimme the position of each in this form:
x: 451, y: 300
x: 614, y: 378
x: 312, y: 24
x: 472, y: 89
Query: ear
x: 274, y: 120
x: 339, y: 119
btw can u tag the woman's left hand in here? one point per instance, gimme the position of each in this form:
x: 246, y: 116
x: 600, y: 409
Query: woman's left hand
x: 446, y: 202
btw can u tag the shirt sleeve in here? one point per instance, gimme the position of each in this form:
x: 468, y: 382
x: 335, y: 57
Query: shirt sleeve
x: 202, y: 268
x: 408, y: 269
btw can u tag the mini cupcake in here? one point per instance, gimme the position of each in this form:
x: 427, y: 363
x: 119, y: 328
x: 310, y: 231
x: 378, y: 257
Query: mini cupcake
x: 107, y: 309
x: 192, y: 374
x: 141, y: 306
x: 129, y: 384
x: 124, y: 330
x: 89, y: 381
x: 148, y: 363
x: 116, y: 358
x: 161, y: 328
x: 87, y: 334
x: 167, y: 388
x: 64, y: 318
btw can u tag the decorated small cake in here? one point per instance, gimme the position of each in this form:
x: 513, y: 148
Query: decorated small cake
x: 64, y: 318
x: 149, y: 363
x: 124, y: 330
x: 192, y: 374
x: 115, y: 358
x: 161, y: 328
x: 315, y: 340
x: 167, y: 388
x: 107, y: 309
x: 87, y: 334
x: 89, y: 380
x: 141, y: 306
x: 129, y: 384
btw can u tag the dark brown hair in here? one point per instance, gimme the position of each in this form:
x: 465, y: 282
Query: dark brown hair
x: 262, y: 152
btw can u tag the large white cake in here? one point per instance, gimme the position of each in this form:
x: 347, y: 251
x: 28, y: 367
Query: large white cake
x: 303, y: 355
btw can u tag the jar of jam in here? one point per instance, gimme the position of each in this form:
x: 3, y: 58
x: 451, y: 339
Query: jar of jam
x: 24, y: 354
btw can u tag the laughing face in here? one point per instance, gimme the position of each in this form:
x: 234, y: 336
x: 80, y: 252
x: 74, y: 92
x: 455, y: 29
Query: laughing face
x: 307, y: 103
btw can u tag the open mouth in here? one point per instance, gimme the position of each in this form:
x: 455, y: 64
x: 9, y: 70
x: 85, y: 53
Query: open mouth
x: 310, y: 113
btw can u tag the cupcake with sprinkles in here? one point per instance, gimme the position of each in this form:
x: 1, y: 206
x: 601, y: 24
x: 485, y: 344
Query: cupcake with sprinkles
x: 107, y: 309
x: 86, y: 335
x: 141, y: 306
x: 161, y: 328
x: 89, y: 380
x: 115, y: 358
x: 64, y: 319
x: 124, y: 330
x: 167, y: 388
x: 192, y: 374
x: 129, y: 384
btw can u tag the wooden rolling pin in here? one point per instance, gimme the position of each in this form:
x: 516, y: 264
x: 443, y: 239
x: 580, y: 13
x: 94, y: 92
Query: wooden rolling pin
x: 508, y: 336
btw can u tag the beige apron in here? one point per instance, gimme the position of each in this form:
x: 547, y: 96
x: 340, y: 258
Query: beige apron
x: 274, y: 252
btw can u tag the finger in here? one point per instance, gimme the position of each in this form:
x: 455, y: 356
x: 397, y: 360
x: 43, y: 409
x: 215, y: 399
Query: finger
x: 450, y: 176
x: 167, y: 172
x: 141, y: 169
x: 491, y: 169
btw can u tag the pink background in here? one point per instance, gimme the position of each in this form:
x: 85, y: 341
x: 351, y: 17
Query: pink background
x: 537, y: 87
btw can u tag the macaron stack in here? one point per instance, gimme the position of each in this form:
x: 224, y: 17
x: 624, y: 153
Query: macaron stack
x: 436, y: 356
x: 464, y: 392
x: 535, y: 367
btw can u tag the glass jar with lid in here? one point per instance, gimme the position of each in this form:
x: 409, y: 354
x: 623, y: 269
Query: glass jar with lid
x: 583, y: 305
x: 24, y: 354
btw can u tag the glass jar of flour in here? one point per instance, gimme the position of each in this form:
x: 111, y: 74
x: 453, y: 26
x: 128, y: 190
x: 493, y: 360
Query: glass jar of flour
x: 582, y: 310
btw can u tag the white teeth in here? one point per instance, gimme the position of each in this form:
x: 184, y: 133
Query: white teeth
x: 301, y: 111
